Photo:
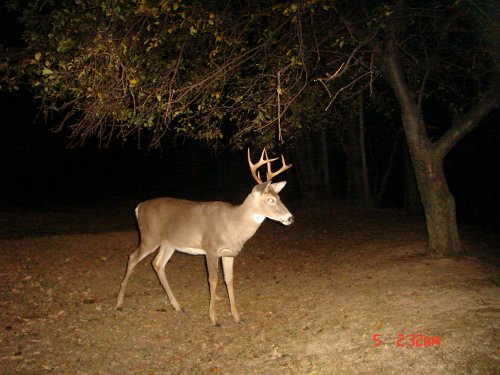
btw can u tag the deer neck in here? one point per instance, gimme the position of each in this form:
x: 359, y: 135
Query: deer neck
x: 248, y: 220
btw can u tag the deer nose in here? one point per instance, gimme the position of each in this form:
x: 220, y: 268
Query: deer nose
x: 289, y: 220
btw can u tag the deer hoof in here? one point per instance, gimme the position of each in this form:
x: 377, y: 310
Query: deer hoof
x: 215, y: 322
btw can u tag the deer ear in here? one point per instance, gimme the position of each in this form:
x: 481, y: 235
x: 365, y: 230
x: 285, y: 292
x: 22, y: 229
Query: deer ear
x: 278, y: 186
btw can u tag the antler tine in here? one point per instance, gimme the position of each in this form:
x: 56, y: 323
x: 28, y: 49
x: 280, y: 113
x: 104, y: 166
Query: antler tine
x: 283, y: 168
x: 254, y: 167
x: 264, y: 159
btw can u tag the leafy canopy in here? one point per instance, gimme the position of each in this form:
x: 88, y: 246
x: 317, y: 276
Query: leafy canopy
x: 260, y: 70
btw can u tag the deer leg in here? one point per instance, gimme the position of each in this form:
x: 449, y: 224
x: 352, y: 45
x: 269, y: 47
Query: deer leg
x: 213, y: 270
x: 227, y: 263
x: 159, y: 264
x: 142, y: 251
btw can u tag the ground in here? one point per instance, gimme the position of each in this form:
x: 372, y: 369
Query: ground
x: 341, y: 291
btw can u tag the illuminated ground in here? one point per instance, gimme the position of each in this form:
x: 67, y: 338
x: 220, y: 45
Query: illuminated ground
x: 312, y: 295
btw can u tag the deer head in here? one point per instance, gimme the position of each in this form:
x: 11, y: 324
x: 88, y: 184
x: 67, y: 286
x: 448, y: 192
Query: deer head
x: 265, y: 193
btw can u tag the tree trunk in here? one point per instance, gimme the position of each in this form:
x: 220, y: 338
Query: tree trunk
x: 354, y: 167
x: 308, y: 173
x: 380, y: 189
x: 427, y: 156
x: 438, y: 203
x: 412, y: 201
x: 325, y: 165
x: 367, y: 196
x: 358, y: 186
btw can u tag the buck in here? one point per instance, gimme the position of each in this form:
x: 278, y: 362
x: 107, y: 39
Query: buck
x: 214, y: 229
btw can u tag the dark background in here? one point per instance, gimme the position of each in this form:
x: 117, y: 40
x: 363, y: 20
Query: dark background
x: 38, y: 172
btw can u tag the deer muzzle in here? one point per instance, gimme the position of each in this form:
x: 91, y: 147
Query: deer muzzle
x: 287, y: 220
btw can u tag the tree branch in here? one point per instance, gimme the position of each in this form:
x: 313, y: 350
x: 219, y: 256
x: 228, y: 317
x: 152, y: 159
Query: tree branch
x: 412, y: 118
x: 488, y: 103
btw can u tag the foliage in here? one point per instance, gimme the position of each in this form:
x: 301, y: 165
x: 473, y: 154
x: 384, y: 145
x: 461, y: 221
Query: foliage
x: 260, y: 70
x: 122, y: 68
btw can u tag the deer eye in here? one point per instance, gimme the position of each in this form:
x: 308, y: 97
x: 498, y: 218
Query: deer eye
x: 270, y: 200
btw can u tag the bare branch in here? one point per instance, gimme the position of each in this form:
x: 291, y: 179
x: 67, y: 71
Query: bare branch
x: 488, y: 103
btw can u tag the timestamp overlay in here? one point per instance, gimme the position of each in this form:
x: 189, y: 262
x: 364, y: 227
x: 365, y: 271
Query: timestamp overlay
x: 407, y: 340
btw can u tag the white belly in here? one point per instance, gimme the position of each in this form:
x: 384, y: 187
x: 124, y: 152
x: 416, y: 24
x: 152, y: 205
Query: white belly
x: 189, y: 250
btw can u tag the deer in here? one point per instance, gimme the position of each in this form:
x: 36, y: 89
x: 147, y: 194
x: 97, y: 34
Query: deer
x: 215, y: 229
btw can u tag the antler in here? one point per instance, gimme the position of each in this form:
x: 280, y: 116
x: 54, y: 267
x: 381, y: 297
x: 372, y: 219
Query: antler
x: 264, y: 159
x: 284, y: 167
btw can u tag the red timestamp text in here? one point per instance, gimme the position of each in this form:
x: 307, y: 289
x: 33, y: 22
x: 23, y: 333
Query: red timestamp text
x: 411, y: 340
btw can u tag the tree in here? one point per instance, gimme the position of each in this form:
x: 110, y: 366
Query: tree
x: 248, y: 70
x: 149, y: 69
x: 429, y: 52
x: 428, y: 154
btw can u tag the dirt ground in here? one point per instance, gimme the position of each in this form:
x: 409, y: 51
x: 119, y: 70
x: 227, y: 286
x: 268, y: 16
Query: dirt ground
x: 313, y: 296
